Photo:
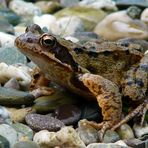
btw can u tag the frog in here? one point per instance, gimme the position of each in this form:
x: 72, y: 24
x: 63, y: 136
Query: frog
x: 102, y: 70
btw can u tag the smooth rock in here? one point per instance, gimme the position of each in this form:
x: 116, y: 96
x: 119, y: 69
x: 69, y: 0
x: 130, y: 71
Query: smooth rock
x: 48, y: 6
x: 9, y: 15
x: 144, y: 16
x: 12, y: 83
x: 19, y: 72
x: 65, y: 138
x: 119, y: 25
x: 4, y: 143
x: 125, y: 132
x: 68, y: 26
x: 45, y: 20
x: 26, y: 144
x: 23, y: 8
x: 68, y: 114
x: 7, y: 40
x: 19, y: 29
x: 5, y: 26
x: 67, y: 3
x: 9, y: 133
x: 41, y: 122
x: 126, y: 3
x: 99, y: 4
x: 140, y: 130
x: 45, y: 104
x: 121, y: 142
x: 3, y: 4
x: 89, y: 16
x: 18, y: 115
x: 12, y: 97
x: 24, y: 132
x: 104, y: 145
x: 136, y: 143
x: 110, y: 136
x: 87, y: 133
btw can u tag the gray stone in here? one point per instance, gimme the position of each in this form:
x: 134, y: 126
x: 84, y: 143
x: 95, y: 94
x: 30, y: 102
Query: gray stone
x: 41, y: 122
x: 12, y: 97
x: 87, y: 133
x: 12, y: 83
x: 68, y: 3
x: 4, y: 143
x: 9, y: 133
x: 26, y: 144
x: 11, y: 55
x: 24, y: 8
x: 24, y: 132
x: 110, y: 136
x: 103, y: 145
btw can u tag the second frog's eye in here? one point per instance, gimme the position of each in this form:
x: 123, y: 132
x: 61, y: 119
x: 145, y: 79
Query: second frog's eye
x: 48, y: 40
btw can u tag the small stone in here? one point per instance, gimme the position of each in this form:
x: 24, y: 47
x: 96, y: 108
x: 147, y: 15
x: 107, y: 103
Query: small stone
x: 12, y: 97
x: 7, y: 40
x: 140, y: 130
x: 12, y: 83
x: 99, y: 4
x: 23, y: 8
x: 9, y: 133
x: 67, y: 3
x: 110, y: 136
x: 125, y: 132
x: 66, y: 138
x: 41, y: 122
x: 26, y: 144
x: 87, y: 133
x: 48, y: 7
x: 119, y: 25
x: 121, y: 142
x: 104, y: 145
x: 24, y: 132
x: 18, y: 115
x: 4, y: 143
x: 68, y: 114
x: 144, y: 16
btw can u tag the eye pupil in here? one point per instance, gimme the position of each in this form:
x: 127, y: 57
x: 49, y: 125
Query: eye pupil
x: 48, y: 42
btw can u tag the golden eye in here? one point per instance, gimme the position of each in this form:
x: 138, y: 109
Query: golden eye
x: 48, y: 40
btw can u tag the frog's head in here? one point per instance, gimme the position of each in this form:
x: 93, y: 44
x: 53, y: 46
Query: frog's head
x: 43, y: 48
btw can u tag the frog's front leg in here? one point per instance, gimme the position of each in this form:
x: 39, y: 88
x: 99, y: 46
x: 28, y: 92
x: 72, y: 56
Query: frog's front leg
x: 108, y: 97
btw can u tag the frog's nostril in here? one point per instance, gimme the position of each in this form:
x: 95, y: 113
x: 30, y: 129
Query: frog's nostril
x: 29, y: 40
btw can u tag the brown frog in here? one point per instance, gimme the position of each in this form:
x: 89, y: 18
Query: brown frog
x: 95, y: 71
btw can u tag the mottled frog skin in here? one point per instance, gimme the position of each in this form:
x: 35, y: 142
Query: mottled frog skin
x: 97, y: 70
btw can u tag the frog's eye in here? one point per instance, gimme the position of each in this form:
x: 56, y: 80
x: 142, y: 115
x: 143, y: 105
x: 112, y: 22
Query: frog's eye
x: 48, y: 40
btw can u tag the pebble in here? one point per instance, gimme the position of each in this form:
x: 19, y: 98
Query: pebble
x: 67, y: 3
x: 7, y: 40
x: 65, y: 138
x: 26, y: 144
x: 110, y: 137
x: 104, y: 145
x: 23, y: 8
x: 9, y: 133
x: 19, y: 72
x: 18, y: 115
x: 12, y: 97
x: 125, y: 132
x: 87, y: 133
x: 140, y: 130
x: 24, y: 132
x: 68, y: 114
x: 41, y: 122
x: 48, y: 6
x: 12, y: 83
x: 119, y: 25
x: 144, y: 16
x: 4, y: 143
x: 99, y: 4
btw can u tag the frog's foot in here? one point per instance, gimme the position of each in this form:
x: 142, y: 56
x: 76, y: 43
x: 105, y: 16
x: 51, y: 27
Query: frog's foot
x: 42, y: 91
x: 141, y: 109
x: 108, y: 97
